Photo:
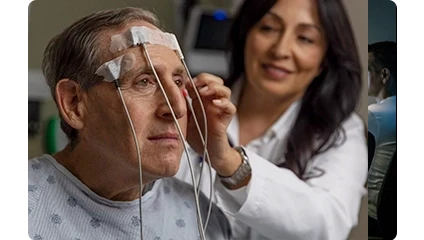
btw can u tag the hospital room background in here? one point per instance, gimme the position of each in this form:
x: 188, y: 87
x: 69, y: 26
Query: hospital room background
x: 200, y: 27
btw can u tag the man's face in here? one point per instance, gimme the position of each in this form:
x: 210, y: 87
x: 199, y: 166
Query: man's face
x: 375, y: 76
x: 107, y: 130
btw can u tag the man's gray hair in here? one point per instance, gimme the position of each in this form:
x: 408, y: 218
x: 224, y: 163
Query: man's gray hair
x: 76, y: 53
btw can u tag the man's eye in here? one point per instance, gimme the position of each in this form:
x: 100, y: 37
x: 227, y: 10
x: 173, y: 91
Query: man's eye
x: 143, y: 82
x: 179, y: 82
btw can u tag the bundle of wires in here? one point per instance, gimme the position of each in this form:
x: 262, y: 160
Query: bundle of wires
x: 202, y: 226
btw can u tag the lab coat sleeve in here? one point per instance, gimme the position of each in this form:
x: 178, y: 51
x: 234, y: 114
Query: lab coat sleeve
x: 278, y: 205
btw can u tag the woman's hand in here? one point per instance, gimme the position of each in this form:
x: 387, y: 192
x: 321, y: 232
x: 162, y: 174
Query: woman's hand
x: 219, y: 112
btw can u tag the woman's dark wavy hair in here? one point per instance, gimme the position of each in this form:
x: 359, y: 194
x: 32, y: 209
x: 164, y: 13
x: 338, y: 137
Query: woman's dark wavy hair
x: 329, y: 99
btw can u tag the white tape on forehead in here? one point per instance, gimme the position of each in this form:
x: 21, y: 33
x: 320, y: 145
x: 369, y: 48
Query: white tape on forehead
x: 140, y: 35
x: 117, y: 67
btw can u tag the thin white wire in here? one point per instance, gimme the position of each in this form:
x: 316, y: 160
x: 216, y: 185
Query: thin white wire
x: 138, y: 157
x: 210, y: 178
x: 204, y: 142
x: 199, y: 216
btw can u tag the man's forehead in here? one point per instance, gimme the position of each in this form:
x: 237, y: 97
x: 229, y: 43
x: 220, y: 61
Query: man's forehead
x: 162, y: 52
x: 106, y: 38
x: 135, y: 23
x: 154, y: 49
x: 163, y: 59
x: 122, y: 50
x: 158, y: 55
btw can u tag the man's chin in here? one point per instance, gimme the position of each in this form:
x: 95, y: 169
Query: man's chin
x: 168, y: 169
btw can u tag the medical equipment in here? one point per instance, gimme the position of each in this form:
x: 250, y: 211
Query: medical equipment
x: 205, y: 40
x: 55, y: 139
x: 114, y: 69
x: 33, y: 117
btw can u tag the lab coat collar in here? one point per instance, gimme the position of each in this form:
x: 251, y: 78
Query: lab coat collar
x: 279, y: 129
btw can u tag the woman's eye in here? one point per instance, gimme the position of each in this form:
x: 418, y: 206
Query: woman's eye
x: 305, y: 39
x: 267, y: 28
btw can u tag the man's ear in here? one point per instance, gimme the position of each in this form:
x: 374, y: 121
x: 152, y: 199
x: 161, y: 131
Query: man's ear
x: 69, y: 98
x: 385, y: 75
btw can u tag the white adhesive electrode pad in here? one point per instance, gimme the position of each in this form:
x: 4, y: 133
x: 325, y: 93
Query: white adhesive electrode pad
x: 117, y: 67
x: 140, y: 35
x: 134, y: 36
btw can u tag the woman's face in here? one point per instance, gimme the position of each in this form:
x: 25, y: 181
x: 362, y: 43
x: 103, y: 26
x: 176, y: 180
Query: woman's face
x: 285, y: 49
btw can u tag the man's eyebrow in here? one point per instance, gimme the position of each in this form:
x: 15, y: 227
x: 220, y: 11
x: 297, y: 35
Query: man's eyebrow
x: 131, y: 74
x: 146, y: 69
x: 179, y: 71
x: 162, y: 68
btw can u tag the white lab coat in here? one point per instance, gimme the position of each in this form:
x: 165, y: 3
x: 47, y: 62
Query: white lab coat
x: 276, y: 204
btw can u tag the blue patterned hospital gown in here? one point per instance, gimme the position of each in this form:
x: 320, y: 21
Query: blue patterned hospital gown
x: 62, y: 207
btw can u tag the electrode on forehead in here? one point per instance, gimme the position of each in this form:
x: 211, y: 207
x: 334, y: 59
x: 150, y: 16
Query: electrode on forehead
x: 143, y: 35
x: 134, y: 36
x: 117, y: 67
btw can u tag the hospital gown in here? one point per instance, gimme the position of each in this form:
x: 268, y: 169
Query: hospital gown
x: 62, y: 207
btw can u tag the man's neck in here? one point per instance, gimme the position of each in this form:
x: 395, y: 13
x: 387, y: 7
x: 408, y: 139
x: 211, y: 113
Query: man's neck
x: 100, y: 173
x: 382, y: 95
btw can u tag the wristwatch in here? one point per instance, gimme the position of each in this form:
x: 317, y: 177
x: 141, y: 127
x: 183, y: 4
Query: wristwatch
x: 242, y: 172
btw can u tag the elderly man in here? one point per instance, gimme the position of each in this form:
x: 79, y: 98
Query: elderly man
x: 91, y: 189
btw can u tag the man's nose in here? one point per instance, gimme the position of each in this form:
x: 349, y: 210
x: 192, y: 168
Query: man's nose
x: 176, y: 100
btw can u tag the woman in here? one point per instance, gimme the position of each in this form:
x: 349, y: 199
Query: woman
x: 295, y: 80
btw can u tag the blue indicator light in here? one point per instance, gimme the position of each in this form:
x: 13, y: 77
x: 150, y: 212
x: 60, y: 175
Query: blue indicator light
x: 220, y: 15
